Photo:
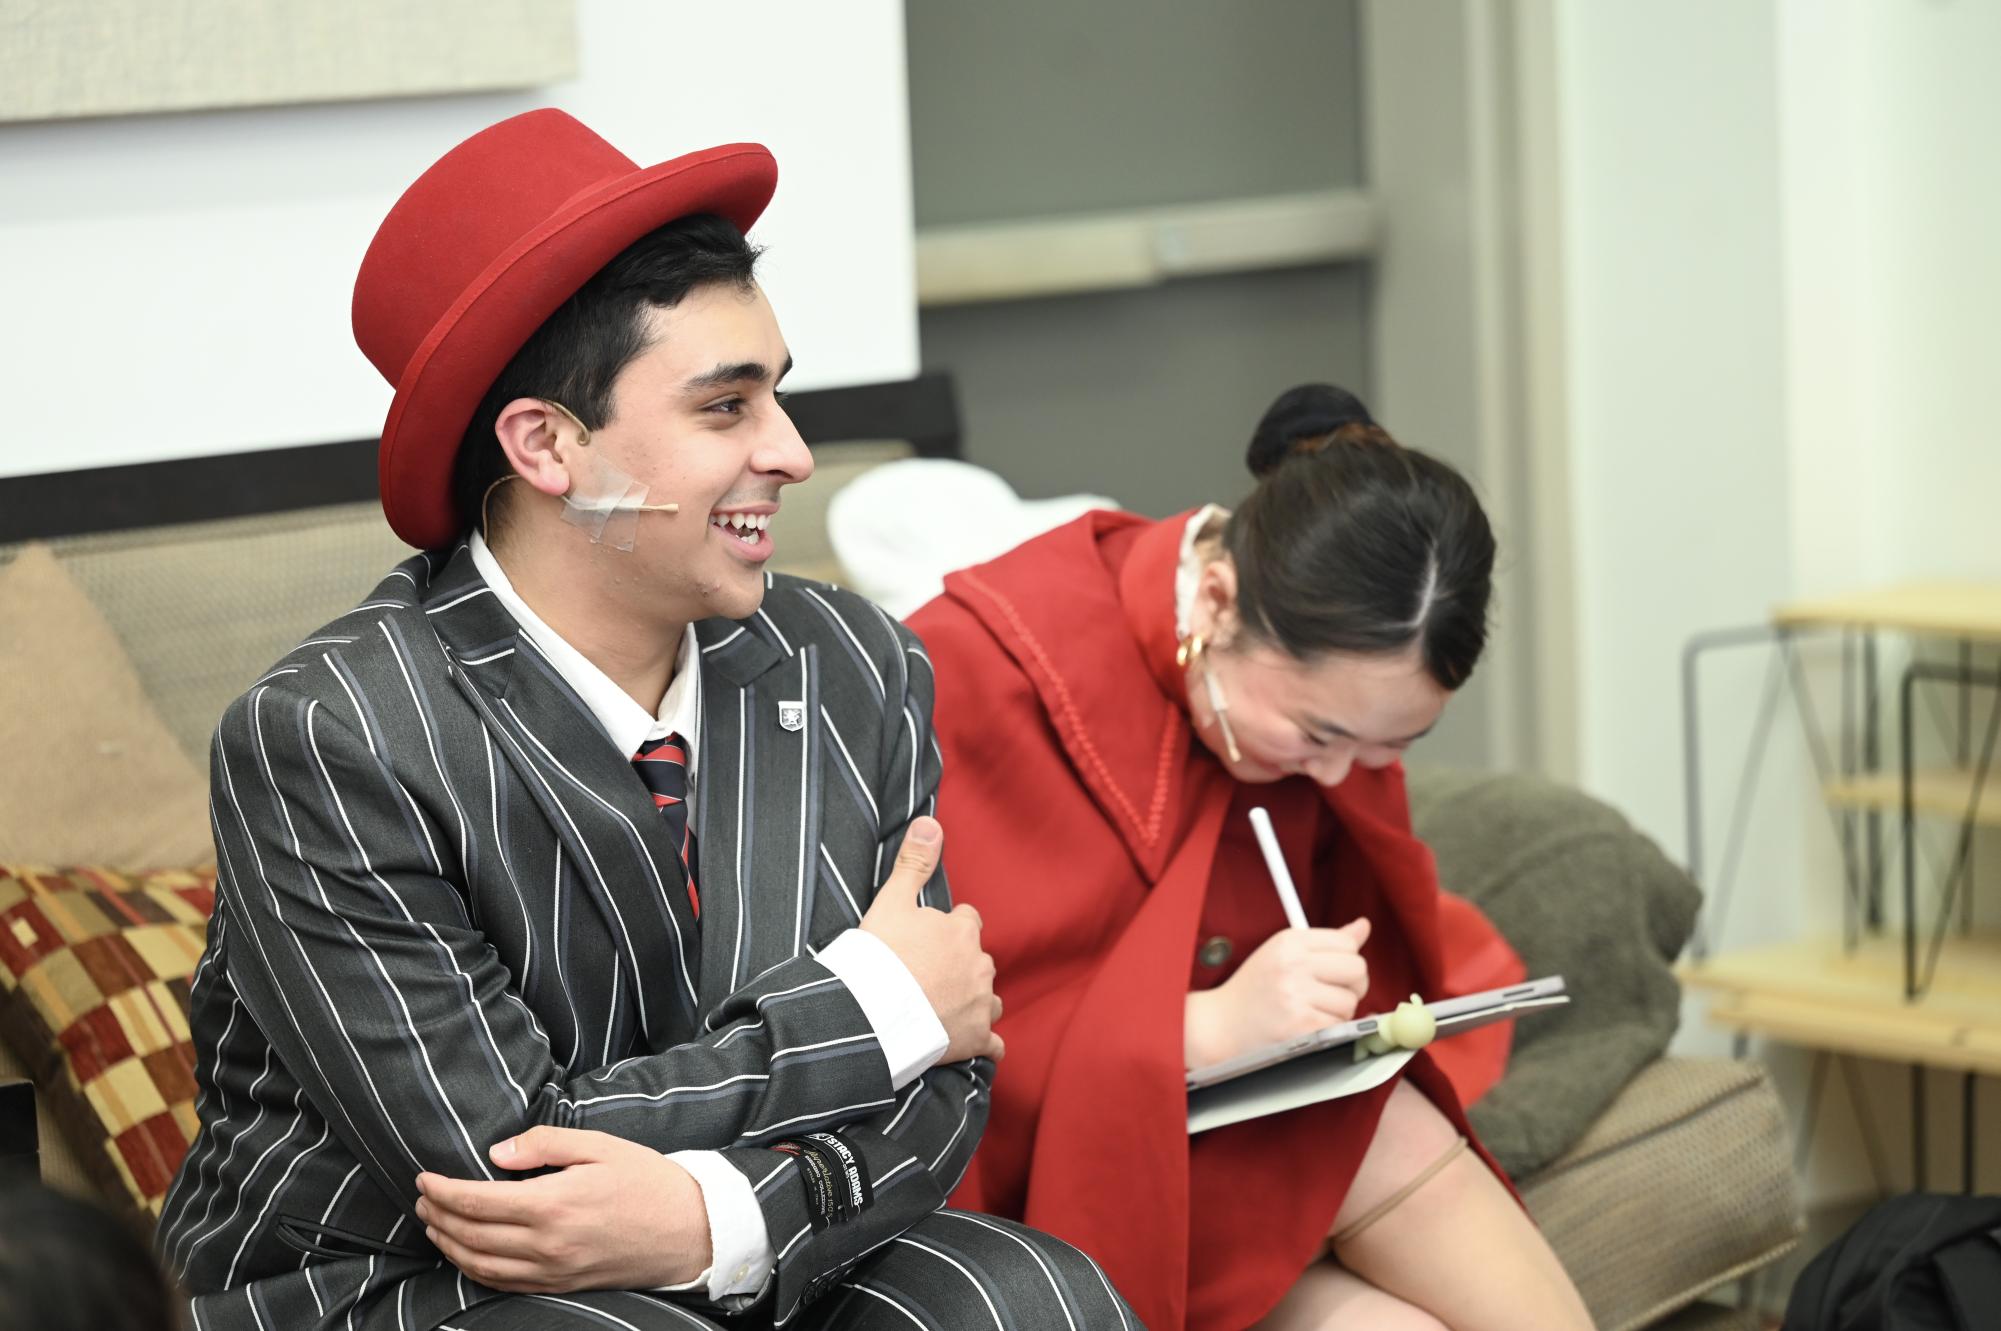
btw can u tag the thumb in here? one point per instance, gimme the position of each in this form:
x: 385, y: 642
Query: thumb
x: 543, y: 1146
x: 923, y: 846
x: 1357, y: 929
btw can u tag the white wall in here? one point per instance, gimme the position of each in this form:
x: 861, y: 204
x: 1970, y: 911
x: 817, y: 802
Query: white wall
x: 174, y: 286
x: 1925, y: 80
x: 1681, y: 494
x: 1893, y: 201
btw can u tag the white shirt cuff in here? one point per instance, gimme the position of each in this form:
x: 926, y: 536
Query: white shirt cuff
x: 741, y: 1259
x: 911, y: 1036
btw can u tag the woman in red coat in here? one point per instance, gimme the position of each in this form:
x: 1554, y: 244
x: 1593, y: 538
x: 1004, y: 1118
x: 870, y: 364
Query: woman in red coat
x: 1113, y: 698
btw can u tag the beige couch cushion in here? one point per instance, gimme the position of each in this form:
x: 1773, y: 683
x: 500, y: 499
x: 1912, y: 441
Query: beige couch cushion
x: 1710, y: 1317
x: 204, y: 607
x: 1684, y: 1183
x: 92, y: 775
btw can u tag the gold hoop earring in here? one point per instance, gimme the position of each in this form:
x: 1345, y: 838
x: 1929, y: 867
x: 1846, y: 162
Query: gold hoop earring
x: 1190, y: 653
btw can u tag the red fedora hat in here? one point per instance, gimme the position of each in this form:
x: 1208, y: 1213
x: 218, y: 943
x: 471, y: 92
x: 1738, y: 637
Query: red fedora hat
x: 485, y: 246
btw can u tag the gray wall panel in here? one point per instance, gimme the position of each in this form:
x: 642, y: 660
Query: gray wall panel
x: 1147, y: 396
x: 1043, y: 106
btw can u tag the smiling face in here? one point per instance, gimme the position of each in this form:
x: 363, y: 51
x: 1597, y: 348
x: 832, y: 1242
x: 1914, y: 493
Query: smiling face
x: 1315, y: 719
x: 1289, y: 717
x: 696, y: 419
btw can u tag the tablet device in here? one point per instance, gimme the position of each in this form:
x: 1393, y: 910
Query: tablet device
x: 1454, y: 1015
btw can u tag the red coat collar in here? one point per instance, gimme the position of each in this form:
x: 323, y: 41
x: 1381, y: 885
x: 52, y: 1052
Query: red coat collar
x: 1081, y: 652
x: 1147, y: 591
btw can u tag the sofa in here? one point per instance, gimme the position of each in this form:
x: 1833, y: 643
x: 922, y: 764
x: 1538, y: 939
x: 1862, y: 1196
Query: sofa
x: 1658, y: 1179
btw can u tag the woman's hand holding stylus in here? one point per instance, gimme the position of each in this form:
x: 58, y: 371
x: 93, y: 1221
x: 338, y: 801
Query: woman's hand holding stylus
x: 1298, y: 981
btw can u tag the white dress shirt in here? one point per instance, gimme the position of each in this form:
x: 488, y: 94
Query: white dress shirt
x: 911, y: 1036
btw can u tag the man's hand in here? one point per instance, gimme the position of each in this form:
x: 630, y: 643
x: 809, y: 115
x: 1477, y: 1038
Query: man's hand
x: 1299, y: 980
x: 941, y: 950
x: 615, y: 1216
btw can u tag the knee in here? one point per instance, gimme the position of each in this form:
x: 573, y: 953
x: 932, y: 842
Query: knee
x: 1385, y: 1314
x: 1330, y: 1297
x: 1409, y: 1317
x: 1042, y: 1280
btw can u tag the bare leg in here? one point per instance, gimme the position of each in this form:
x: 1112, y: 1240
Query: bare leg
x: 1458, y: 1246
x: 1328, y: 1298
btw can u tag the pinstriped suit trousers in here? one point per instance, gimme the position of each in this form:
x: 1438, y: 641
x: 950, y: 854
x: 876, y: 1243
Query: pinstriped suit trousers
x: 954, y: 1271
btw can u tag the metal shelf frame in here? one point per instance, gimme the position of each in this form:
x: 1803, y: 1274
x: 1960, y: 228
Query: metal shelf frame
x: 1959, y: 878
x: 1859, y: 823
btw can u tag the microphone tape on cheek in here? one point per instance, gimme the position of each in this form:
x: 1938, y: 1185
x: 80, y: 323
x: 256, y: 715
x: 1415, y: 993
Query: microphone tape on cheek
x: 605, y: 501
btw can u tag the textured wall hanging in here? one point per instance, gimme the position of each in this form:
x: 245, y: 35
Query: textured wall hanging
x: 60, y: 59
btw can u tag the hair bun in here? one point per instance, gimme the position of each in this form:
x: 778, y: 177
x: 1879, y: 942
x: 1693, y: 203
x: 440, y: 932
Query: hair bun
x: 1310, y: 411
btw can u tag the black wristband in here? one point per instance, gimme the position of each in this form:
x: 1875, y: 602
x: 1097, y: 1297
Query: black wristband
x: 834, y: 1175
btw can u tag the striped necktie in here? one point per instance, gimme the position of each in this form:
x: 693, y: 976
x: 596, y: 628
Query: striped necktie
x: 663, y: 765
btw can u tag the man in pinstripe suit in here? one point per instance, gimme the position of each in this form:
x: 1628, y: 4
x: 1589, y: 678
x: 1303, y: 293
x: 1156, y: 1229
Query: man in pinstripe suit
x: 497, y: 1028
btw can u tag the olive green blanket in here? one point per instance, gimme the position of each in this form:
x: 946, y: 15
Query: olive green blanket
x: 1578, y: 893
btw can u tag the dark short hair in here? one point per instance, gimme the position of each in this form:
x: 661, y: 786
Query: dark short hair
x: 66, y: 1263
x: 577, y: 354
x: 1353, y: 543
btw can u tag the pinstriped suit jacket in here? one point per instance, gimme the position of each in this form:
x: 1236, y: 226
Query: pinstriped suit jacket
x: 448, y: 910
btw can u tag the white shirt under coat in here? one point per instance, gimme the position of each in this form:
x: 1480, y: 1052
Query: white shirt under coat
x: 909, y: 1032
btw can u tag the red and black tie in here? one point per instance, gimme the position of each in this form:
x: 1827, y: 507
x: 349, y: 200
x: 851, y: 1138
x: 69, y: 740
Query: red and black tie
x: 663, y: 765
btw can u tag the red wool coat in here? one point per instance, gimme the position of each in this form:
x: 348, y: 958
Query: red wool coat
x: 1103, y: 844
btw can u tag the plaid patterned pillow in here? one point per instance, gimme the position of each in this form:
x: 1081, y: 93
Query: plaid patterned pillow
x: 95, y: 968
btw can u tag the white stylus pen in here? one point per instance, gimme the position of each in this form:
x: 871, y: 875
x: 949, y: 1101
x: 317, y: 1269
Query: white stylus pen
x: 1281, y: 877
